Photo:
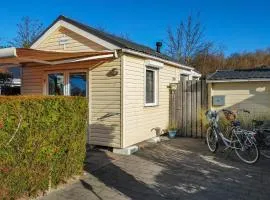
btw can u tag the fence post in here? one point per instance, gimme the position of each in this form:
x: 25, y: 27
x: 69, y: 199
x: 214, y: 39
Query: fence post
x: 194, y: 108
x: 204, y: 103
x: 172, y: 106
x: 199, y: 108
x: 180, y: 106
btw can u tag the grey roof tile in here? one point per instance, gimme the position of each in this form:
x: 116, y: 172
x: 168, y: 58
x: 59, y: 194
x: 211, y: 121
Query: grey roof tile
x: 254, y: 73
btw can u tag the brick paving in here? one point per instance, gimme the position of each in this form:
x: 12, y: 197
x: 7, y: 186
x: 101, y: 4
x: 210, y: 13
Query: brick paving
x: 181, y: 168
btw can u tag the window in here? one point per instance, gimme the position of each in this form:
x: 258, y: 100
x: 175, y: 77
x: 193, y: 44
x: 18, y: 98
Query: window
x: 183, y: 77
x: 151, y: 86
x: 67, y: 83
x: 56, y: 84
x: 77, y: 84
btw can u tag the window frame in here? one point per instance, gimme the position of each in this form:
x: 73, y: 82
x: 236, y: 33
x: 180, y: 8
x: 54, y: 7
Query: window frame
x: 47, y: 82
x: 184, y: 75
x: 66, y: 74
x: 156, y: 86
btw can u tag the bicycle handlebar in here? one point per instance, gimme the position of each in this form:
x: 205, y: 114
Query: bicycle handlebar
x: 231, y: 112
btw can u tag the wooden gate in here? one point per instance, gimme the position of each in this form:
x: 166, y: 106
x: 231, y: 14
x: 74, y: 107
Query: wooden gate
x: 187, y: 104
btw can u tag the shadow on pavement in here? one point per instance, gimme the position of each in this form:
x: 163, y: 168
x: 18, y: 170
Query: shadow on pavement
x: 191, y: 172
x: 181, y: 169
x: 118, y: 179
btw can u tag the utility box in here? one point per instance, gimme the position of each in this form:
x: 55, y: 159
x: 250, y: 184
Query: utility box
x: 218, y: 100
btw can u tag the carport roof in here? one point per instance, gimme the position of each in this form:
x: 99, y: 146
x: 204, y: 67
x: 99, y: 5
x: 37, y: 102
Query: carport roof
x: 21, y: 56
x: 238, y: 75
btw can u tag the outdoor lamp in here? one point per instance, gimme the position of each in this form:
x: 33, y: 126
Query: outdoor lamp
x: 173, y: 86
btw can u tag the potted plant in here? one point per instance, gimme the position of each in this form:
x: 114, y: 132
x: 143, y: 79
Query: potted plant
x: 172, y: 129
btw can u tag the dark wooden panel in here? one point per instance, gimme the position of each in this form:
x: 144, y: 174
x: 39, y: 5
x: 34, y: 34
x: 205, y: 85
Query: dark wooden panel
x: 199, y: 109
x: 187, y: 105
x: 194, y: 109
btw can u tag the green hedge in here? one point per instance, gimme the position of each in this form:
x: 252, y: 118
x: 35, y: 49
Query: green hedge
x: 42, y: 142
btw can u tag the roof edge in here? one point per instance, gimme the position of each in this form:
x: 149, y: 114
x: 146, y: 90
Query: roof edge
x: 113, y: 42
x: 156, y: 58
x: 237, y: 80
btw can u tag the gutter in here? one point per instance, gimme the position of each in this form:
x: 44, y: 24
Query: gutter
x: 8, y: 53
x: 237, y: 80
x: 156, y: 58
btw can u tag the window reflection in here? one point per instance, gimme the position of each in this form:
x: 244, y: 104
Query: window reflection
x: 77, y: 82
x: 150, y: 86
x: 56, y: 84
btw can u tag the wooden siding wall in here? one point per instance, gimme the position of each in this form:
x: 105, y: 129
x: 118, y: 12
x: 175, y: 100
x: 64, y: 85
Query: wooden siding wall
x: 254, y: 96
x: 140, y: 120
x: 105, y: 105
x: 75, y: 42
x: 104, y: 98
x: 104, y: 86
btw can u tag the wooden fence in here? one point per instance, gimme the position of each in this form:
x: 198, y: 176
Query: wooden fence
x: 187, y: 104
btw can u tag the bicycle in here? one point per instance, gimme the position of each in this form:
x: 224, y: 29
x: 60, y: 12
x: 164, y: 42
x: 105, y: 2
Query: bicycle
x: 262, y: 130
x: 241, y: 141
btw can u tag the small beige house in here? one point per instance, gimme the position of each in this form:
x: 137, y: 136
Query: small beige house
x: 240, y: 89
x: 127, y: 84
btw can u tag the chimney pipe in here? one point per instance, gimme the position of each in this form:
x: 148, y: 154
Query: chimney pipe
x: 158, y: 45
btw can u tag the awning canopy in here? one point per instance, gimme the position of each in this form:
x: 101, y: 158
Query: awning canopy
x: 13, y: 56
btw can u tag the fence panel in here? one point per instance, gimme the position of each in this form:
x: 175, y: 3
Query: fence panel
x: 186, y: 105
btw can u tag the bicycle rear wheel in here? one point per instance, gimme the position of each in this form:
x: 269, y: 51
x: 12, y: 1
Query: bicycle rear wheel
x: 211, y: 139
x: 265, y: 152
x: 246, y: 149
x: 265, y: 147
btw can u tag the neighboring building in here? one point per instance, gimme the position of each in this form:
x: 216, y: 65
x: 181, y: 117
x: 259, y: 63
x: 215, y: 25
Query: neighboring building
x: 240, y: 89
x: 127, y: 84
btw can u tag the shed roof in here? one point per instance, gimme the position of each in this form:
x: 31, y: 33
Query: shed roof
x: 261, y: 73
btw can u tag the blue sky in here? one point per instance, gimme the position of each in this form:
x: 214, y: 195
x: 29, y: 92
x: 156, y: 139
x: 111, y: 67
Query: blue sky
x: 237, y: 25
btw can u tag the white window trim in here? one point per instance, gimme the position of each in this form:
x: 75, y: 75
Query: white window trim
x: 185, y: 74
x: 156, y: 86
x: 66, y: 81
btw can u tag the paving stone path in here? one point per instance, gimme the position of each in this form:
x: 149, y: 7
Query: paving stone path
x: 181, y: 168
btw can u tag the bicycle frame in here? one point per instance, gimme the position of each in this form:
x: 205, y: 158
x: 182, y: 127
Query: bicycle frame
x: 226, y: 141
x: 236, y: 131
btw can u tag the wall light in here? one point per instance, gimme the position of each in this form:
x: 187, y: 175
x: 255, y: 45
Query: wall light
x: 173, y: 86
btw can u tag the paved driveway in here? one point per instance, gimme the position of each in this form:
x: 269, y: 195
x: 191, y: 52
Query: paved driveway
x: 176, y: 169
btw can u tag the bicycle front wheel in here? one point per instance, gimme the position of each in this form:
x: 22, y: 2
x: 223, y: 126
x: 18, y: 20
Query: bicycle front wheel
x: 246, y: 149
x: 211, y: 139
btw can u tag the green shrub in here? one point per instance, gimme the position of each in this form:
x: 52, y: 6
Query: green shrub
x: 42, y: 142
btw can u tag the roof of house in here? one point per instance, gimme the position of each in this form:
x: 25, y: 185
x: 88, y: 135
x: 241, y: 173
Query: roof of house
x: 240, y: 74
x: 118, y: 41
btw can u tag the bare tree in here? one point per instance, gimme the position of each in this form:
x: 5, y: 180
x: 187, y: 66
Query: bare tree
x: 27, y: 32
x: 187, y: 40
x: 209, y: 62
x: 3, y: 43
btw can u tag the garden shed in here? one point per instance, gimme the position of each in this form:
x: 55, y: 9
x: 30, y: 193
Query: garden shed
x: 240, y: 89
x: 127, y: 84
